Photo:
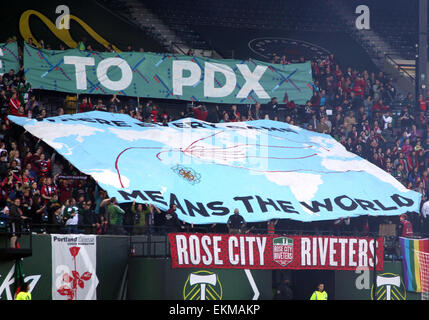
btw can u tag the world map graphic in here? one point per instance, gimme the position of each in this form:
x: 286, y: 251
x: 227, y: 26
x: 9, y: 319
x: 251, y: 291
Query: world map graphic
x: 266, y: 169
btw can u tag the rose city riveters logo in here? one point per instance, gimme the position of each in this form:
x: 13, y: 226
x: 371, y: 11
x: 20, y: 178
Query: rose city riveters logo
x: 202, y: 285
x: 283, y: 250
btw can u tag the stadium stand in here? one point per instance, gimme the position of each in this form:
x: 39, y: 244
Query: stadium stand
x: 398, y: 28
x: 361, y: 108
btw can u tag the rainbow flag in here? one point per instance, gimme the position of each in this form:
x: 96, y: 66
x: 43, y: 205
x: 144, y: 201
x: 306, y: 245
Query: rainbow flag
x: 410, y: 262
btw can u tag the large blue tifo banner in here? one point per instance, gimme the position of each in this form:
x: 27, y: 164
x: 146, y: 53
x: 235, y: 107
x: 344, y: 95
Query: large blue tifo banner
x: 264, y: 168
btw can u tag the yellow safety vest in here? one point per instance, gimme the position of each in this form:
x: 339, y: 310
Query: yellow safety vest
x: 317, y: 295
x: 23, y: 296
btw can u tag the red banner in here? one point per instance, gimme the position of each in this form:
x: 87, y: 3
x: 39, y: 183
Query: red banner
x: 274, y: 251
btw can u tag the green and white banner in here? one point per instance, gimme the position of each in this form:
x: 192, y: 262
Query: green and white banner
x: 9, y: 58
x: 166, y: 76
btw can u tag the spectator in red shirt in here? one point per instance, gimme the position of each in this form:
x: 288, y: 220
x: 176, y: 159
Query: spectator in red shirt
x: 234, y: 115
x: 164, y: 118
x: 66, y: 189
x: 48, y: 191
x: 200, y: 112
x: 30, y: 159
x: 412, y: 160
x: 86, y: 105
x: 27, y: 179
x: 290, y: 106
x: 9, y: 183
x: 315, y: 99
x: 407, y: 147
x: 14, y: 104
x: 422, y: 103
x: 359, y: 86
x: 154, y: 114
x: 407, y: 227
x: 44, y: 166
x: 338, y: 72
x: 380, y: 107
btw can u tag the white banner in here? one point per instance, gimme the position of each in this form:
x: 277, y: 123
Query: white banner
x: 74, y: 267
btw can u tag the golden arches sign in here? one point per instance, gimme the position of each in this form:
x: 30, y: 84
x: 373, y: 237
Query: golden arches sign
x: 62, y: 34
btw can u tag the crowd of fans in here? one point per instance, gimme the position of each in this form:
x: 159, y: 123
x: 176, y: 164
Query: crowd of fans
x: 355, y: 107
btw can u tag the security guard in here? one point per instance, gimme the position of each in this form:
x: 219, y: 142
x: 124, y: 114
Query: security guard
x: 236, y: 222
x: 320, y: 293
x: 24, y: 294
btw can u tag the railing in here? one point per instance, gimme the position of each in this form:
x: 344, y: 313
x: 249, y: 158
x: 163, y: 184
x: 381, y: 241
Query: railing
x: 176, y: 45
x: 401, y: 68
x: 20, y: 229
x: 153, y: 242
